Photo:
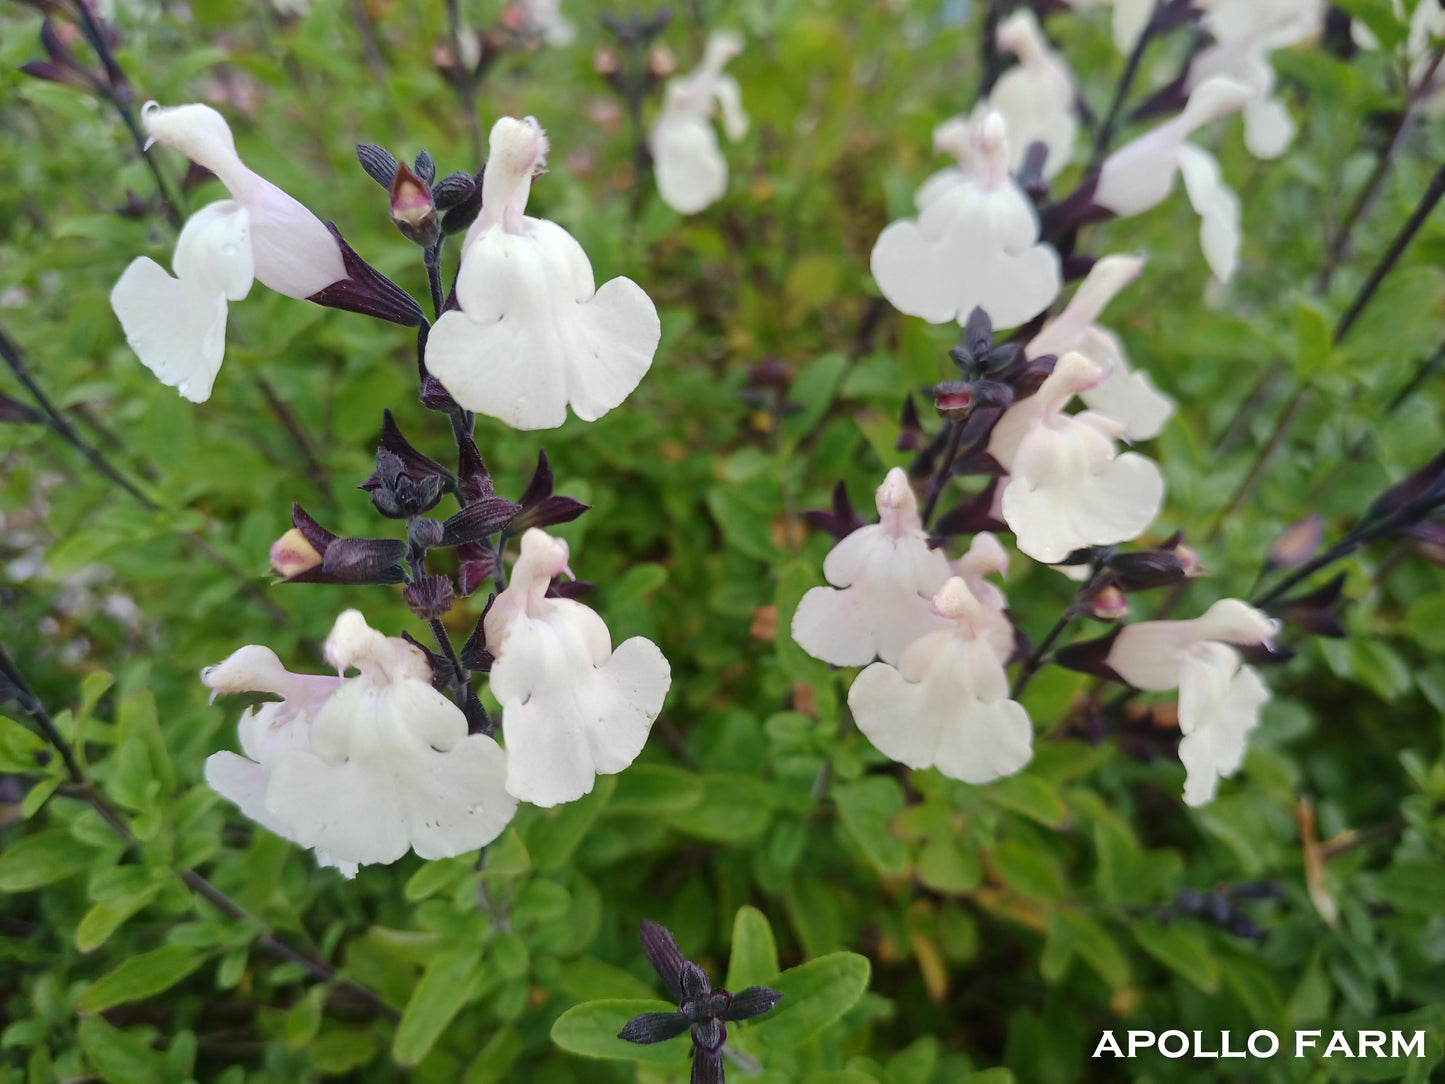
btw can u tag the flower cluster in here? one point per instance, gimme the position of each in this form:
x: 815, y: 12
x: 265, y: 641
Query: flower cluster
x: 402, y: 755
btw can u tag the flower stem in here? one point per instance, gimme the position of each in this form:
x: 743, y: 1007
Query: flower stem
x: 1104, y: 136
x: 939, y: 481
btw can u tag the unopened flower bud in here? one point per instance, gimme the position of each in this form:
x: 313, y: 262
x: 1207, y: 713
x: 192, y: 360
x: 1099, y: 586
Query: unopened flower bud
x: 953, y: 399
x: 292, y: 554
x: 430, y: 597
x: 604, y: 62
x: 1296, y: 543
x: 412, y: 208
x: 660, y: 62
x: 1109, y: 604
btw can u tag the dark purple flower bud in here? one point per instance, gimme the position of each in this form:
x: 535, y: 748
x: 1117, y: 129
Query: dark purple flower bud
x: 453, y: 189
x: 479, y: 520
x: 708, y: 1036
x: 560, y: 588
x: 1088, y: 656
x: 1265, y: 654
x: 1420, y: 493
x: 313, y: 532
x: 1142, y: 571
x: 540, y: 508
x: 12, y: 410
x: 422, y: 533
x: 367, y: 291
x: 395, y: 493
x: 60, y: 73
x: 474, y: 653
x: 477, y: 562
x: 417, y: 465
x: 654, y: 1027
x: 1030, y: 176
x: 363, y: 560
x: 1109, y: 603
x: 695, y: 983
x: 424, y: 165
x: 707, y: 1068
x: 474, y: 478
x: 910, y: 435
x: 378, y: 162
x: 750, y: 1002
x: 1315, y: 611
x: 660, y: 948
x: 442, y: 670
x: 429, y: 597
x: 841, y: 521
x: 434, y: 396
x: 1189, y: 901
x: 977, y: 335
x: 461, y: 213
x: 972, y: 515
x: 478, y: 721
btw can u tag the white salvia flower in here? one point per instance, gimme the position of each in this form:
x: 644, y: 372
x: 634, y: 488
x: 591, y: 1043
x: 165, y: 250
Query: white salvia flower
x: 946, y: 704
x: 572, y: 708
x: 1270, y: 24
x: 883, y: 575
x: 1036, y: 97
x: 1150, y: 654
x: 177, y: 326
x: 1219, y: 702
x: 985, y: 557
x: 1067, y: 488
x: 1127, y: 396
x: 691, y: 171
x: 360, y: 768
x: 1268, y: 127
x: 534, y: 333
x: 975, y: 242
x: 545, y: 19
x: 1140, y: 174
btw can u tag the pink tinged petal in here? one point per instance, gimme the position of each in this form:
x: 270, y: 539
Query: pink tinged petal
x: 295, y: 253
x: 947, y: 707
x: 1036, y: 97
x: 1105, y: 280
x: 580, y: 721
x: 177, y: 326
x: 1218, y: 209
x: 691, y: 171
x: 517, y: 151
x: 532, y: 334
x: 352, y: 643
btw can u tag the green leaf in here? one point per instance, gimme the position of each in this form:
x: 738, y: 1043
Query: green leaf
x: 341, y: 1050
x: 1028, y: 870
x: 745, y: 523
x: 754, y: 957
x: 1180, y: 950
x: 589, y: 978
x: 945, y: 866
x: 1314, y: 346
x: 106, y: 916
x: 1096, y: 945
x: 815, y: 994
x: 43, y: 859
x: 591, y: 1029
x: 556, y: 833
x: 18, y: 747
x: 656, y: 789
x: 1414, y: 885
x: 303, y: 1019
x: 1033, y: 797
x: 447, y: 984
x: 734, y: 808
x: 140, y: 977
x: 118, y: 1056
x: 865, y: 809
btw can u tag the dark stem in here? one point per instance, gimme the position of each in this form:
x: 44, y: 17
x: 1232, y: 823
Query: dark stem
x: 1386, y: 264
x: 172, y: 209
x: 32, y: 706
x: 1339, y: 244
x: 369, y: 48
x: 989, y: 64
x: 1105, y: 133
x: 1034, y: 663
x: 432, y: 259
x: 314, y: 467
x: 939, y: 480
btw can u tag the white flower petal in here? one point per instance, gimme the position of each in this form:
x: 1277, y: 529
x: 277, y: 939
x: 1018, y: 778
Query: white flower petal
x: 177, y: 329
x: 946, y: 706
x: 243, y: 782
x: 1148, y: 654
x: 295, y: 253
x: 1218, y: 209
x: 691, y: 170
x: 1268, y: 128
x: 1219, y: 703
x: 1126, y: 395
x: 533, y: 335
x: 578, y: 723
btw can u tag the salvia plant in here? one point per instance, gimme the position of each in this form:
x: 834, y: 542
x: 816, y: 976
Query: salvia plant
x: 927, y: 516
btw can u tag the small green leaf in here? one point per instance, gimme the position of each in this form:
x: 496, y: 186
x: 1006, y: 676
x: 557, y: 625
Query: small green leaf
x: 754, y: 957
x: 303, y: 1019
x: 119, y: 1056
x: 106, y: 916
x: 589, y: 978
x: 591, y: 1029
x: 140, y: 977
x: 43, y: 859
x: 1180, y: 950
x: 656, y: 789
x: 1033, y: 797
x: 734, y: 808
x: 865, y: 809
x: 554, y: 835
x: 447, y: 984
x: 814, y: 995
x: 18, y: 747
x: 1314, y: 346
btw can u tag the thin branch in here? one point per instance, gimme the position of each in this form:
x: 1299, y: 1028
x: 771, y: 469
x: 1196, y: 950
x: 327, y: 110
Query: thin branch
x: 1104, y: 136
x: 939, y: 480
